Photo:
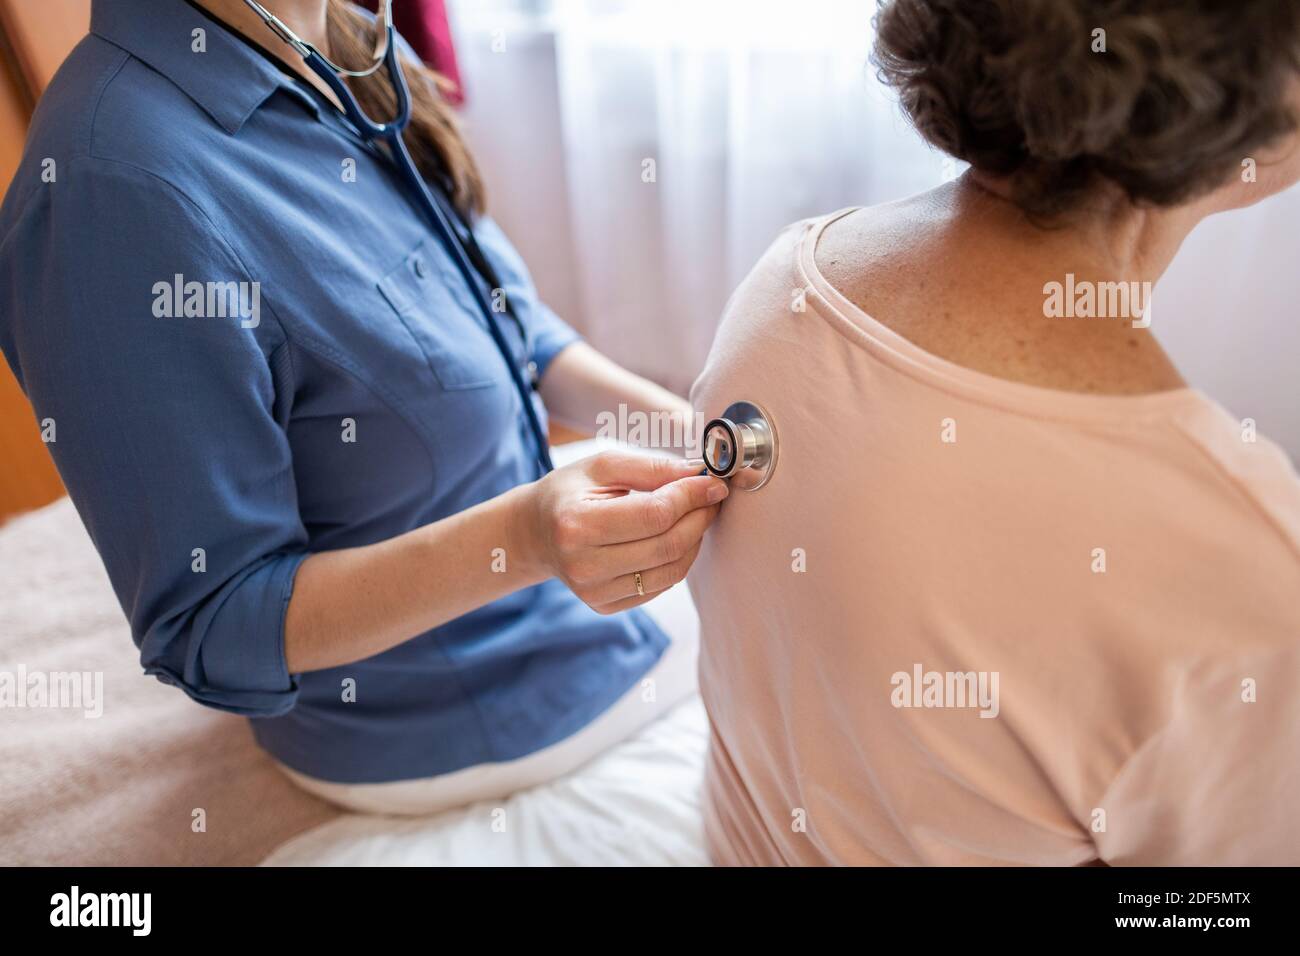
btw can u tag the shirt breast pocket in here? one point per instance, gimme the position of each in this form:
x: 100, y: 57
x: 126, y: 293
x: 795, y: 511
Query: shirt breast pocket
x: 431, y: 300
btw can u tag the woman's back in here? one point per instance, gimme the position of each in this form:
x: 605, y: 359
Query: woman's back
x: 973, y: 620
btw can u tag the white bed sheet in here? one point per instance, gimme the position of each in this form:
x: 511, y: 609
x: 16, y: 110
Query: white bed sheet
x: 636, y: 805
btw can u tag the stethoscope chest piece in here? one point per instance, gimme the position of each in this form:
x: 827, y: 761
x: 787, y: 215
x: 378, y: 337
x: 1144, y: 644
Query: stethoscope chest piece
x: 740, y: 445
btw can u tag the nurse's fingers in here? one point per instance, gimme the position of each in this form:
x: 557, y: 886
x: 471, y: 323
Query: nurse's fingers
x: 672, y: 545
x: 614, y: 595
x: 590, y: 575
x: 627, y: 603
x: 637, y: 472
x: 652, y: 513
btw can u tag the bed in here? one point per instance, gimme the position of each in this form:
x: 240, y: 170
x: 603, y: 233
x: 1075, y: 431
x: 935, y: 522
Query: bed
x: 158, y: 780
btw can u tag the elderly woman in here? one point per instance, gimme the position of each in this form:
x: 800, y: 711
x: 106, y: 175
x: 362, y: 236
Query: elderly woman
x: 1042, y: 610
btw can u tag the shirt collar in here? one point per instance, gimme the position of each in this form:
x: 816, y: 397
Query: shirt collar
x: 229, y: 81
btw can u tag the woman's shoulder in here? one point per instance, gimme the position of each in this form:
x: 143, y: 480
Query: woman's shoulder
x: 766, y: 329
x: 108, y: 140
x: 1252, y: 472
x: 104, y: 104
x: 776, y: 277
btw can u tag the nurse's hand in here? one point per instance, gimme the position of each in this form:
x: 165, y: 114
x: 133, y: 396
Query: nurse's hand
x: 596, y: 523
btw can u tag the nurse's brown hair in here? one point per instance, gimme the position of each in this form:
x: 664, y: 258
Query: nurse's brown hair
x: 433, y: 137
x: 1182, y: 92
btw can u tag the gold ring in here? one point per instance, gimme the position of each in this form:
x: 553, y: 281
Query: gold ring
x: 640, y: 588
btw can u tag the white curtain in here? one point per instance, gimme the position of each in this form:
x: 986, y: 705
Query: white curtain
x: 643, y: 153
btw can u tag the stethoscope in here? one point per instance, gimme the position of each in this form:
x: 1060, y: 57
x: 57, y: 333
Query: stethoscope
x: 739, y: 446
x: 390, y: 133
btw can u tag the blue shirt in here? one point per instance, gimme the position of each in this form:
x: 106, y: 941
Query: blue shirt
x: 249, y: 354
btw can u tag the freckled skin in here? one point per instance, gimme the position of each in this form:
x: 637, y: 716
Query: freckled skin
x: 984, y: 308
x: 959, y: 271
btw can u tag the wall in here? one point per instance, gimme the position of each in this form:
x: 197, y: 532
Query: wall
x: 34, y: 39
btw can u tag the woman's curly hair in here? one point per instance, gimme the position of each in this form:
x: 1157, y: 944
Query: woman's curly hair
x: 1184, y: 91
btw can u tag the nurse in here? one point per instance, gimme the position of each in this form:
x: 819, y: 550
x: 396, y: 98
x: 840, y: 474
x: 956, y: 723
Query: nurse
x: 329, y: 515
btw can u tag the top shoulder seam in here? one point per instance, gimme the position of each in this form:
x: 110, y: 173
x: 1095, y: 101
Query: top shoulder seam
x: 104, y: 84
x: 1241, y: 487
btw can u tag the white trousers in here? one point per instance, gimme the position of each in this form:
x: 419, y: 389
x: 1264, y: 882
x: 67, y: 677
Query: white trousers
x: 669, y: 682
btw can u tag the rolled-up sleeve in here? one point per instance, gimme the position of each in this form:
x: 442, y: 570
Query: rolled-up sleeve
x: 168, y: 430
x: 548, y: 334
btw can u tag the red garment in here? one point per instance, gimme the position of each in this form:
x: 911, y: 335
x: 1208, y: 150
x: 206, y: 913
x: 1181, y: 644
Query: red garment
x: 424, y: 25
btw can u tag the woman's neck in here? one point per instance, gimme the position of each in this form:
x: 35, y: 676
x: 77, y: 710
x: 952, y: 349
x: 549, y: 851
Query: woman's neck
x: 307, y: 18
x: 1110, y: 238
x: 304, y: 17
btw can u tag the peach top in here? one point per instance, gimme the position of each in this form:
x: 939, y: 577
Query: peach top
x: 971, y: 621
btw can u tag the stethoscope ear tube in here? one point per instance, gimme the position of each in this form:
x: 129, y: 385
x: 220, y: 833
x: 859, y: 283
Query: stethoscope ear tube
x: 741, y: 446
x: 305, y: 49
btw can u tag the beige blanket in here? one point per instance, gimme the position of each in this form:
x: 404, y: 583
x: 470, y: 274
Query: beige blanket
x: 157, y: 779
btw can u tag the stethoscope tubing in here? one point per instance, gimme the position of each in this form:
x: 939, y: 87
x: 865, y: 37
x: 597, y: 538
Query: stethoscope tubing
x: 391, y: 134
x: 743, y: 439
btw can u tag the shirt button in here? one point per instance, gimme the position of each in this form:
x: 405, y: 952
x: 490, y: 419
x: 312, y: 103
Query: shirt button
x: 421, y: 269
